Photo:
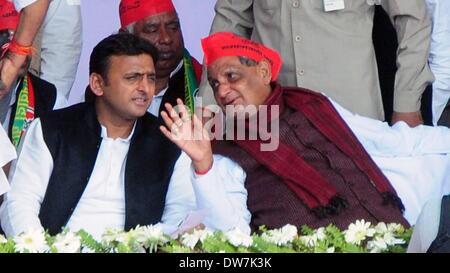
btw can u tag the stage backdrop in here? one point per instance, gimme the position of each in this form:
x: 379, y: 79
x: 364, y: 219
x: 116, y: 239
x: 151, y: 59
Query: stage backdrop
x: 101, y: 18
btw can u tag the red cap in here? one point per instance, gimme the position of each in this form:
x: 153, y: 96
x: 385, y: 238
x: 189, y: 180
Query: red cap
x: 222, y: 44
x: 131, y: 11
x: 9, y: 17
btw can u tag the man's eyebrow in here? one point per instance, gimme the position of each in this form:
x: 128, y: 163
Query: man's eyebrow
x: 175, y: 21
x: 151, y: 73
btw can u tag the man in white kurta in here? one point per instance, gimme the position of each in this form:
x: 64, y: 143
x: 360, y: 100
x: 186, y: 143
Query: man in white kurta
x: 120, y: 191
x: 7, y: 153
x: 102, y: 204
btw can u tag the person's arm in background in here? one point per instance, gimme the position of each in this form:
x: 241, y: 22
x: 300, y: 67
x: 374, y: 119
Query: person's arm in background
x: 60, y: 47
x: 398, y: 140
x: 7, y: 154
x: 439, y: 58
x: 232, y: 16
x: 413, y: 27
x: 31, y: 19
x: 29, y: 178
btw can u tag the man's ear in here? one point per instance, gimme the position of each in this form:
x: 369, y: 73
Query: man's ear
x: 96, y: 83
x: 265, y: 71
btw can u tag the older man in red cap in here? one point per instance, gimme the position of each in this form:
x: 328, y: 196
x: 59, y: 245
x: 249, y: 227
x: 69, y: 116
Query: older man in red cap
x: 30, y: 96
x: 177, y: 73
x: 329, y: 166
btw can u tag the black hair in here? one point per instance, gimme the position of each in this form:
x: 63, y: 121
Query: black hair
x: 121, y: 44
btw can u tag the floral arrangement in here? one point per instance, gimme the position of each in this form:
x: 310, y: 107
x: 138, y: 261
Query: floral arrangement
x: 360, y: 236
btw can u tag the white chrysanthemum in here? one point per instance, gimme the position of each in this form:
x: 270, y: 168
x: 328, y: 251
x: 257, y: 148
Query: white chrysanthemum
x: 237, y: 238
x: 113, y: 238
x: 311, y: 240
x: 32, y: 241
x: 152, y: 233
x: 289, y: 231
x: 390, y: 239
x: 320, y: 232
x: 395, y: 228
x: 377, y: 245
x: 112, y: 235
x: 358, y: 232
x: 282, y: 236
x: 67, y: 243
x: 191, y: 239
x: 381, y: 228
x: 3, y: 239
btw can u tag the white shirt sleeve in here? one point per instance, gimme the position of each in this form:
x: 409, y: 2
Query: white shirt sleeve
x: 439, y: 58
x: 415, y: 160
x: 380, y: 139
x: 20, y: 4
x: 221, y: 191
x: 29, y: 178
x: 61, y: 47
x: 7, y: 154
x: 427, y: 227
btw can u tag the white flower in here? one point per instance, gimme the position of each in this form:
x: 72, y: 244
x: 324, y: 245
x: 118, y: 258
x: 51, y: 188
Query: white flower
x: 3, y: 239
x: 381, y: 228
x: 237, y: 238
x: 112, y: 235
x: 150, y: 234
x: 357, y: 232
x: 311, y: 240
x: 395, y: 228
x: 32, y: 241
x: 117, y: 238
x: 377, y: 245
x: 191, y: 239
x: 330, y: 249
x: 67, y: 243
x: 282, y: 236
x: 390, y: 239
x: 320, y: 233
x: 289, y: 231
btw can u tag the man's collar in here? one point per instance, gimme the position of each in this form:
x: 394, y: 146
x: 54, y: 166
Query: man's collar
x: 180, y: 64
x: 104, y: 134
x: 162, y: 92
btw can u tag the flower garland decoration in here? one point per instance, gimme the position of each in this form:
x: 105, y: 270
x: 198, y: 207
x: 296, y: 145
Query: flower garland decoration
x: 360, y: 237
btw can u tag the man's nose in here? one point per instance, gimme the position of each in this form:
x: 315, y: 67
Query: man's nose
x: 223, y: 89
x: 165, y: 37
x: 145, y: 85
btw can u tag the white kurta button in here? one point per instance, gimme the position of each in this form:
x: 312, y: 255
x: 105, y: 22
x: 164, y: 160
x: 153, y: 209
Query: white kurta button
x: 295, y: 4
x: 298, y: 38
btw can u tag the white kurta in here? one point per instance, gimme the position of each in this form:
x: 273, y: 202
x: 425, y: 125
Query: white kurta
x: 439, y: 58
x: 415, y: 160
x: 102, y: 205
x: 427, y: 227
x: 7, y: 153
x: 61, y: 45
